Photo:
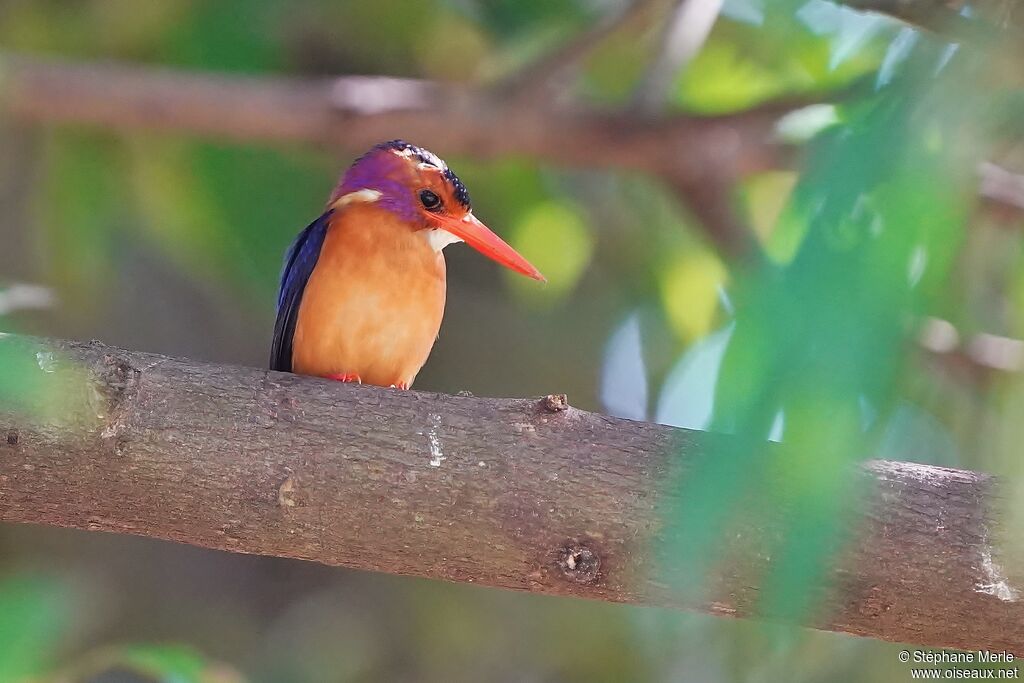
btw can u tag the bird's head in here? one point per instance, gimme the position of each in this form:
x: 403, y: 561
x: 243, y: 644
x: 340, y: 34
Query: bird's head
x: 419, y: 188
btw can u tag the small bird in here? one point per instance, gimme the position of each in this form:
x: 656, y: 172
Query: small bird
x: 363, y: 286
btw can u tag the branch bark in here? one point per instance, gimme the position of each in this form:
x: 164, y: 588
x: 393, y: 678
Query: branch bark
x: 520, y: 494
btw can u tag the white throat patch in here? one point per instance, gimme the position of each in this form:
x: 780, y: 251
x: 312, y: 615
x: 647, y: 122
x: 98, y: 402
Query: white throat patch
x: 438, y: 239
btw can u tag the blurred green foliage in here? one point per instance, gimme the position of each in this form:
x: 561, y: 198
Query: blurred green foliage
x: 33, y: 384
x: 35, y: 615
x: 174, y: 244
x: 821, y: 337
x: 32, y: 614
x: 146, y: 664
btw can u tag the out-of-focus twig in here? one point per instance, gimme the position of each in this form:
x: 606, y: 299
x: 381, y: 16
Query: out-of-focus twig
x: 537, y: 80
x: 976, y: 358
x: 1000, y: 185
x: 707, y: 195
x: 356, y: 112
x: 682, y: 38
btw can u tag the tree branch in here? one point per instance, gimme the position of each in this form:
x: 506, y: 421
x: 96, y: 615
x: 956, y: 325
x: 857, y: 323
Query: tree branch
x: 357, y: 112
x: 1001, y: 186
x: 521, y: 494
x: 701, y: 157
x: 360, y: 111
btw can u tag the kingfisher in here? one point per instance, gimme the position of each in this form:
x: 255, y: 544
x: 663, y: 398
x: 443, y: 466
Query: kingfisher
x: 363, y: 286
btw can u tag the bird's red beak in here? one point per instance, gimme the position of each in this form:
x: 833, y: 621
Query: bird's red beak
x: 477, y: 235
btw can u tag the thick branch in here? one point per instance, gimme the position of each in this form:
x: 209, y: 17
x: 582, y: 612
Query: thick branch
x: 521, y: 494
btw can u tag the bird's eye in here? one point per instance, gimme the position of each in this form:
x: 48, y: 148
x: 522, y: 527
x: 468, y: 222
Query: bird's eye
x: 431, y: 202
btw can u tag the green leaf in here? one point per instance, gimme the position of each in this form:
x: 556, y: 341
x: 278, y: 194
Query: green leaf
x: 33, y: 613
x: 820, y: 339
x: 35, y: 381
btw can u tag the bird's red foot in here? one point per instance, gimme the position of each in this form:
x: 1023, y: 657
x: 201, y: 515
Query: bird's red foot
x: 404, y: 386
x: 345, y: 377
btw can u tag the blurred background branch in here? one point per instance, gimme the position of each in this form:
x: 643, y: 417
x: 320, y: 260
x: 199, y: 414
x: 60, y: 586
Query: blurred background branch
x: 702, y: 158
x: 359, y: 111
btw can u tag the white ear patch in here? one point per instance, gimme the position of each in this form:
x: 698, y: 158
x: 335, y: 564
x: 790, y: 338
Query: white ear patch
x: 438, y: 239
x: 363, y: 196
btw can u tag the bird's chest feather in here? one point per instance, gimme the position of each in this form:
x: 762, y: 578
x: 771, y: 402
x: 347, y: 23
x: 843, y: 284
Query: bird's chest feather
x: 373, y: 304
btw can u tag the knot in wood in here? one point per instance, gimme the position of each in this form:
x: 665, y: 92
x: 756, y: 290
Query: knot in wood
x: 118, y: 376
x: 12, y: 438
x: 116, y: 382
x: 555, y: 403
x: 579, y: 563
x: 289, y: 495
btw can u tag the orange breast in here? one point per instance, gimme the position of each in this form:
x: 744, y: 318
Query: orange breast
x: 374, y: 303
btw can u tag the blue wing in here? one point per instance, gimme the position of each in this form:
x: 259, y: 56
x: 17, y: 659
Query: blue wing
x: 299, y: 262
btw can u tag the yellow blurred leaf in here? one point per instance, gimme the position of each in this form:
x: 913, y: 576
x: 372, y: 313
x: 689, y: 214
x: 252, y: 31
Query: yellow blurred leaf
x: 554, y: 238
x: 722, y: 79
x: 689, y: 288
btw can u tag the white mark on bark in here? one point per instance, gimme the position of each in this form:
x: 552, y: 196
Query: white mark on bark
x: 434, y: 439
x: 286, y: 493
x: 993, y: 582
